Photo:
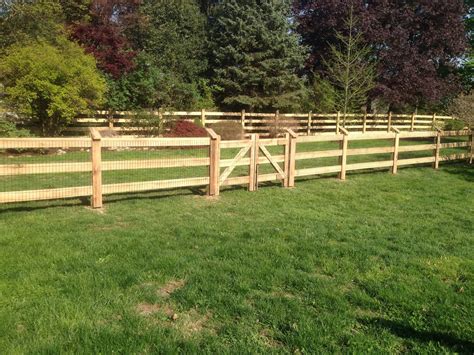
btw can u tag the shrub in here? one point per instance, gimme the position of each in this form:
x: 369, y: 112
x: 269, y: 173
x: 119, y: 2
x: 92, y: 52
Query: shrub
x: 147, y: 124
x: 49, y: 85
x: 183, y: 128
x: 454, y: 125
x: 463, y: 108
x: 278, y: 128
x: 8, y: 129
x: 229, y: 130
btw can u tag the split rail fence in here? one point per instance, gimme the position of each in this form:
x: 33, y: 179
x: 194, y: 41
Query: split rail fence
x: 249, y: 162
x: 263, y: 123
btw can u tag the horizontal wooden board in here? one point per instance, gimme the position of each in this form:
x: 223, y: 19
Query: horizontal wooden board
x: 46, y: 194
x: 416, y: 148
x: 44, y: 143
x: 370, y: 165
x: 455, y: 157
x: 415, y: 161
x: 235, y: 144
x: 48, y: 168
x: 154, y: 142
x: 320, y: 138
x: 456, y: 145
x: 246, y: 161
x: 269, y: 177
x: 368, y: 151
x: 456, y: 133
x: 239, y: 180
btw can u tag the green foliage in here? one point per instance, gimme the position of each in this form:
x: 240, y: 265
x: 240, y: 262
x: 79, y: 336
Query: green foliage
x: 9, y: 129
x: 321, y: 96
x: 23, y: 21
x: 256, y: 56
x: 350, y: 69
x: 148, y: 124
x: 463, y: 108
x: 171, y: 65
x: 454, y: 125
x: 50, y: 85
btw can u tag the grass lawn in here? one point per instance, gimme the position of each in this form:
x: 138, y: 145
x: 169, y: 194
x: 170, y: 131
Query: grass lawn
x: 378, y: 263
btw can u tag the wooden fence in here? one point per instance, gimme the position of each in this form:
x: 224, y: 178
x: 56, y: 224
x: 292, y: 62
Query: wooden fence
x: 263, y: 123
x: 222, y: 158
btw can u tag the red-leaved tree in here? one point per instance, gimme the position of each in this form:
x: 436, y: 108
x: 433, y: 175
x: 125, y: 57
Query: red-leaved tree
x: 417, y: 43
x: 103, y: 36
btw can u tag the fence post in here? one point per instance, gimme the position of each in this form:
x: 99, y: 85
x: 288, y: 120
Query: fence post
x: 389, y: 124
x: 437, y: 149
x: 472, y: 147
x: 253, y: 167
x: 161, y: 123
x: 290, y: 157
x: 338, y: 122
x: 96, y: 154
x: 110, y: 119
x: 434, y: 121
x: 412, y: 128
x: 364, y: 125
x: 396, y: 150
x: 343, y: 158
x: 214, y: 162
x: 203, y: 117
x: 310, y: 122
x: 242, y: 119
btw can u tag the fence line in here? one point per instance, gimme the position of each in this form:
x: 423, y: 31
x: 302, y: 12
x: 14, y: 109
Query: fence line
x: 287, y: 158
x: 262, y: 123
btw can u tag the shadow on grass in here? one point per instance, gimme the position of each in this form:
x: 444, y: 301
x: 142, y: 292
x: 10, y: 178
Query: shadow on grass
x: 464, y: 170
x: 406, y: 332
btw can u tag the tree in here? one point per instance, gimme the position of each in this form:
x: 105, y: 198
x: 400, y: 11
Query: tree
x: 463, y: 108
x: 467, y: 68
x: 256, y: 56
x: 350, y: 69
x: 23, y: 21
x: 172, y: 34
x: 108, y: 45
x: 417, y: 43
x: 50, y: 85
x: 103, y: 34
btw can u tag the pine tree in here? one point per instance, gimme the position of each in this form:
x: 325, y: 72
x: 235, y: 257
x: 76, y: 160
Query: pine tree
x: 350, y: 69
x: 256, y: 55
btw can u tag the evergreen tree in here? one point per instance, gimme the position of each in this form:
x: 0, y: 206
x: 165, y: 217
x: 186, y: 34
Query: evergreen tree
x: 256, y: 55
x: 350, y: 69
x: 173, y: 35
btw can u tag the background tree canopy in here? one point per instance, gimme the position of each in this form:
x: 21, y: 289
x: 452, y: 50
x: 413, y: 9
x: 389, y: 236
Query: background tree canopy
x: 248, y: 54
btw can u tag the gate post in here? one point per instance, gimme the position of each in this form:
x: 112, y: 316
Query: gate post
x: 253, y: 167
x: 96, y: 154
x: 214, y: 162
x: 396, y: 148
x: 290, y: 158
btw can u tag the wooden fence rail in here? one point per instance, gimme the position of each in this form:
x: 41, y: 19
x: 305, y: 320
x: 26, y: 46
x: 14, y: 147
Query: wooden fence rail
x: 250, y: 154
x: 264, y: 123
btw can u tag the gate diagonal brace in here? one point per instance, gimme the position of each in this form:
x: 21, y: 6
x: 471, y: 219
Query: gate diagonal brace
x: 233, y: 164
x: 270, y: 159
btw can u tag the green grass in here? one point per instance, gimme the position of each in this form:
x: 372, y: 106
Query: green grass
x: 378, y: 264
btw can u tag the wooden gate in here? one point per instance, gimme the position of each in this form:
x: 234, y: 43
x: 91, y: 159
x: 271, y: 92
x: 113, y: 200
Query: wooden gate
x: 279, y: 163
x: 252, y: 153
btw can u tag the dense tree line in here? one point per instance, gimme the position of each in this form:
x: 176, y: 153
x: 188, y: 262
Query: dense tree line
x: 234, y: 54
